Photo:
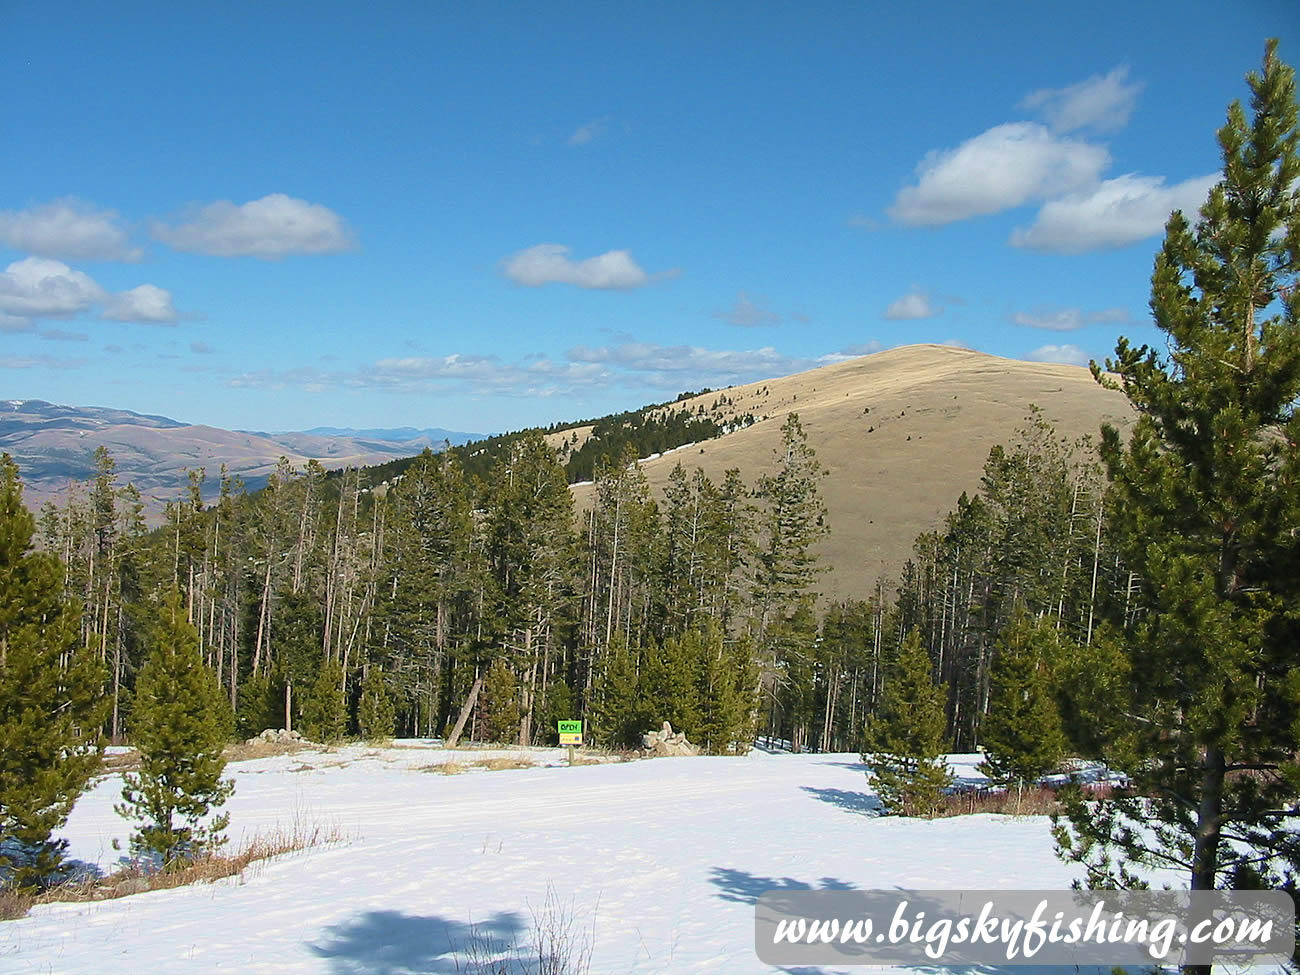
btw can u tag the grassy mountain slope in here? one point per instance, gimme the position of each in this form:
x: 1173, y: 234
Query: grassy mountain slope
x: 900, y: 435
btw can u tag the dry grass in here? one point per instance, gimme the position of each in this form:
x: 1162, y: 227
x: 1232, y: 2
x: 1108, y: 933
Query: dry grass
x: 1036, y: 801
x: 500, y: 764
x: 215, y: 866
x: 247, y: 751
x: 900, y: 435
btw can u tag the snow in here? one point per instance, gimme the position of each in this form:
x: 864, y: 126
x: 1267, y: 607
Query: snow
x: 660, y: 862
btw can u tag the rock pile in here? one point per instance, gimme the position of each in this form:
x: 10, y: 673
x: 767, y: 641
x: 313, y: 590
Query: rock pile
x: 667, y: 743
x: 280, y: 737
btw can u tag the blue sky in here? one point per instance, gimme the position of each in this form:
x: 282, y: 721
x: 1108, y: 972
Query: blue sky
x: 484, y: 216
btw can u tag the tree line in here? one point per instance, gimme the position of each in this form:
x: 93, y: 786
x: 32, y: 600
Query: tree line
x: 1130, y: 601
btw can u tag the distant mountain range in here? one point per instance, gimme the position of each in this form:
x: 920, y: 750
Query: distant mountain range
x: 55, y: 445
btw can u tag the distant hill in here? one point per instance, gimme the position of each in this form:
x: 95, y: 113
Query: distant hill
x: 55, y: 445
x: 432, y: 435
x: 901, y: 434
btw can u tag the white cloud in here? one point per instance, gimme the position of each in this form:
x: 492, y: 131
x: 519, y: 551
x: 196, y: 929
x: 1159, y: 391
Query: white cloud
x: 1070, y: 355
x: 39, y: 362
x: 270, y: 228
x: 15, y: 323
x: 550, y: 264
x: 748, y: 312
x: 1067, y: 319
x: 147, y: 303
x: 584, y: 134
x: 69, y: 229
x: 870, y: 347
x: 913, y: 305
x: 1115, y: 213
x: 37, y: 287
x: 1005, y: 167
x: 1102, y: 102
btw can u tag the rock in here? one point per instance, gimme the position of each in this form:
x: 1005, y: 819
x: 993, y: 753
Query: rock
x: 277, y: 737
x: 667, y: 743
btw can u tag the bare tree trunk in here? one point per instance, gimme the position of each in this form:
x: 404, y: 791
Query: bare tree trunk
x: 465, y: 711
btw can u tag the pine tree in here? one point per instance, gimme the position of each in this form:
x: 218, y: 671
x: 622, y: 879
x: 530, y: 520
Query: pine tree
x: 1208, y: 499
x: 179, y: 725
x: 1022, y: 733
x: 324, y: 711
x: 904, y: 740
x: 500, y: 703
x: 375, y: 713
x: 50, y: 699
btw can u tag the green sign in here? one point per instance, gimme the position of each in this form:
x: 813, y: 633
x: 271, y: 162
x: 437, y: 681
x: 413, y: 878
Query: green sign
x: 569, y: 727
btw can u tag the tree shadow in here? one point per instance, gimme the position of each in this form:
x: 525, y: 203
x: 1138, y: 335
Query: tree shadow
x: 746, y: 888
x: 859, y: 803
x: 393, y: 943
x: 862, y: 767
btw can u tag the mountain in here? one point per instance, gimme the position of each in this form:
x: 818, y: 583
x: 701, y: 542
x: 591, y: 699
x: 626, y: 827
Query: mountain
x: 55, y: 444
x: 900, y: 434
x: 429, y: 436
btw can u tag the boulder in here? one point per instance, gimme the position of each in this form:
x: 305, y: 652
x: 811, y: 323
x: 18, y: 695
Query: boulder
x: 276, y: 737
x: 666, y: 743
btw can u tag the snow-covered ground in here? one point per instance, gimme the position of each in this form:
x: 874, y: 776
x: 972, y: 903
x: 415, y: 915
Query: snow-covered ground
x: 658, y: 861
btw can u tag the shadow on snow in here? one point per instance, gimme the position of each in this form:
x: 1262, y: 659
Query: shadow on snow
x: 393, y: 943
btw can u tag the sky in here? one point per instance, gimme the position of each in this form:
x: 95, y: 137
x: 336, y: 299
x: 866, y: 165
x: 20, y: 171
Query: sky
x: 486, y: 216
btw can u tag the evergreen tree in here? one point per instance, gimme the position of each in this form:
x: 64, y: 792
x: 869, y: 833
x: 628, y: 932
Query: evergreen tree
x: 50, y: 699
x: 728, y: 694
x: 500, y: 703
x: 1208, y: 497
x: 1022, y: 733
x: 324, y: 711
x: 375, y: 713
x: 904, y: 740
x: 617, y: 710
x: 178, y: 725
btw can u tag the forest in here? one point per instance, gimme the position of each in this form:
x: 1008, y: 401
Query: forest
x: 1124, y: 600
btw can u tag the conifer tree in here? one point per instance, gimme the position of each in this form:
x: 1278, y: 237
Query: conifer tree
x: 180, y: 725
x: 50, y: 699
x: 500, y: 703
x: 1208, y: 500
x: 375, y: 713
x: 1022, y: 733
x: 324, y: 711
x: 904, y: 740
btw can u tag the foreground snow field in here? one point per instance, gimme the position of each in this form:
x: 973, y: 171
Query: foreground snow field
x: 659, y: 861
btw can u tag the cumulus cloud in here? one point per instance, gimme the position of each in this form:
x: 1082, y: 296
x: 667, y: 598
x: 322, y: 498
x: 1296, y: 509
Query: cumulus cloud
x: 1070, y: 355
x: 270, y: 228
x: 584, y: 134
x: 748, y: 312
x: 69, y: 229
x: 544, y: 264
x: 148, y: 304
x: 38, y: 287
x: 1102, y: 102
x: 1067, y: 319
x: 913, y: 305
x: 1115, y: 213
x: 1005, y: 167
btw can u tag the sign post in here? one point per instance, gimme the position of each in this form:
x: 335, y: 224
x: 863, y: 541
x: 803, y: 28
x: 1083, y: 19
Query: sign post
x: 570, y: 735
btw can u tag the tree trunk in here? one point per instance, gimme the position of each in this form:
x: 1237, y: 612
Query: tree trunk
x: 465, y: 710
